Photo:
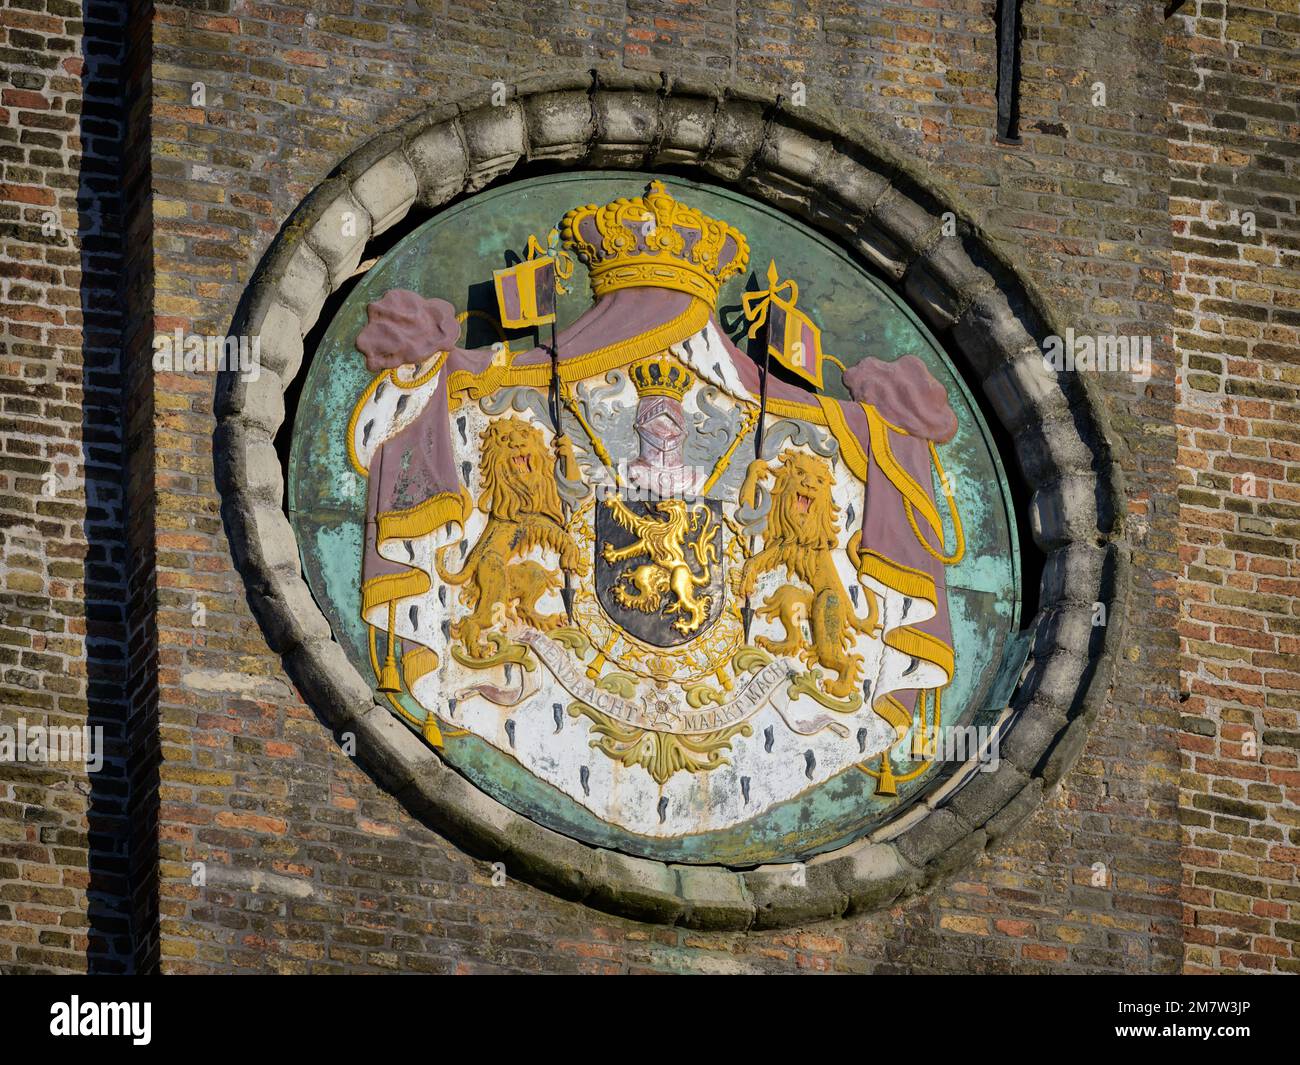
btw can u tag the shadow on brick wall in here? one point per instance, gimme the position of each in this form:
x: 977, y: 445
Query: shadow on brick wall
x: 122, y: 798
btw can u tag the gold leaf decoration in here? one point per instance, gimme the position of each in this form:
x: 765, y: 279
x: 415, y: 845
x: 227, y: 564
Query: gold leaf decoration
x: 661, y: 754
x: 503, y: 650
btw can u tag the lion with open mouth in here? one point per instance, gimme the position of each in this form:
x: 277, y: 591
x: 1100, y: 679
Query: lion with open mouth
x: 801, y: 535
x: 523, y: 507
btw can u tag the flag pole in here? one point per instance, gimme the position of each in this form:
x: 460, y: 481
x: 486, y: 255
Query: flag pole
x: 526, y: 280
x: 746, y: 611
x: 566, y: 593
x: 388, y: 676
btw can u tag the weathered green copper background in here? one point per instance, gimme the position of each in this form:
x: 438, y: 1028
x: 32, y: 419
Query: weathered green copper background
x: 452, y: 256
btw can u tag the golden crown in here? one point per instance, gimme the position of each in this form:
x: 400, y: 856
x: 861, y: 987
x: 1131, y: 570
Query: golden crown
x: 661, y: 377
x: 657, y: 241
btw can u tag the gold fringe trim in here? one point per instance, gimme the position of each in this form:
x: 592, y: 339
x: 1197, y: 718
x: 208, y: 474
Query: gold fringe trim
x: 922, y: 645
x: 435, y: 512
x: 391, y: 586
x: 416, y: 663
x: 894, y: 713
x: 900, y: 578
x: 850, y: 446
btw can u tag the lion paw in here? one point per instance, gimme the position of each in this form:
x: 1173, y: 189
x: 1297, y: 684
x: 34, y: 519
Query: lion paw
x: 777, y: 647
x: 544, y: 622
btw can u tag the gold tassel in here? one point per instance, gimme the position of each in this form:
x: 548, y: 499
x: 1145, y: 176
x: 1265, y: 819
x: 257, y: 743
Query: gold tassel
x: 389, y: 681
x: 885, y: 779
x: 921, y: 735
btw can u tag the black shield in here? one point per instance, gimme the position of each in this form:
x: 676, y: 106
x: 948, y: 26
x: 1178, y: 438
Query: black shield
x: 641, y: 589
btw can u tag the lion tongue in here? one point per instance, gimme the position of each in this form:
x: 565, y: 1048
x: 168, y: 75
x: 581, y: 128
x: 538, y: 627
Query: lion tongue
x: 803, y: 503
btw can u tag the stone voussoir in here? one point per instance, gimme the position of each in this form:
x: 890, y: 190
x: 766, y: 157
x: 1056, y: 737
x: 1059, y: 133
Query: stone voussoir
x: 1015, y: 812
x: 1082, y: 572
x: 391, y: 750
x: 795, y: 893
x: 1025, y: 391
x: 964, y: 852
x: 1035, y: 729
x: 989, y: 334
x: 386, y: 189
x: 635, y: 887
x: 448, y: 802
x: 304, y: 284
x: 613, y: 78
x: 1058, y: 676
x: 495, y: 142
x: 247, y: 521
x: 279, y: 332
x: 553, y: 82
x: 255, y: 400
x: 286, y: 611
x: 875, y: 245
x: 950, y: 264
x: 716, y: 898
x: 985, y: 793
x: 560, y: 125
x: 737, y: 137
x: 1069, y: 625
x: 939, y: 306
x: 688, y: 129
x: 871, y: 875
x: 328, y: 681
x: 440, y: 161
x: 853, y: 179
x: 789, y: 155
x: 340, y: 233
x: 1058, y: 446
x: 904, y: 220
x: 628, y: 126
x: 245, y: 458
x: 1068, y: 510
x: 549, y: 860
x: 1066, y: 750
x: 938, y: 831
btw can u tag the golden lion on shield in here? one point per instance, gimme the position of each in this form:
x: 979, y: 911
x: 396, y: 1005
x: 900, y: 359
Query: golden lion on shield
x: 801, y: 535
x: 523, y: 508
x: 665, y: 542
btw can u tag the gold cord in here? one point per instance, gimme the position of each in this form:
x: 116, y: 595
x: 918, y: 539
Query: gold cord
x: 960, y: 550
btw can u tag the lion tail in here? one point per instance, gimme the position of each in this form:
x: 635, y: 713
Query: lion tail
x: 454, y: 579
x: 871, y: 622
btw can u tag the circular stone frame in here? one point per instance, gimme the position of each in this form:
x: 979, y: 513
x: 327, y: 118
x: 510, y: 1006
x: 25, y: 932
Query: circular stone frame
x: 856, y: 190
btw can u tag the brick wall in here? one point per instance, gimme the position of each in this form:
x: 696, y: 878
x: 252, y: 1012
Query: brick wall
x: 1235, y: 115
x: 63, y: 864
x: 309, y: 864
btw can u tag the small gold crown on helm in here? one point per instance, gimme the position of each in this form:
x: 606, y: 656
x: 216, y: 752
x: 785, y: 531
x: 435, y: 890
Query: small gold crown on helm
x: 657, y: 241
x: 661, y: 377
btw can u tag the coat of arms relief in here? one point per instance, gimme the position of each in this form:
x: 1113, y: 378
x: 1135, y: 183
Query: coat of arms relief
x: 666, y: 580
